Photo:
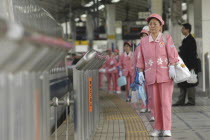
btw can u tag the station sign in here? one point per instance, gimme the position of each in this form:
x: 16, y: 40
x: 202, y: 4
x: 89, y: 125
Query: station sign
x: 143, y: 15
x: 90, y: 94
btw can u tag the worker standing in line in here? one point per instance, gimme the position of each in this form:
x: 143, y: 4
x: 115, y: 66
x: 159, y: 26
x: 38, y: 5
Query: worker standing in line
x: 110, y: 68
x: 149, y: 107
x: 116, y: 72
x: 157, y: 60
x: 102, y: 72
x: 127, y: 66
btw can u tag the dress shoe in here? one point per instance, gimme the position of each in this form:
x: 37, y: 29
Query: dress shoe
x: 128, y: 100
x: 178, y: 104
x: 155, y: 133
x: 167, y: 133
x: 189, y: 104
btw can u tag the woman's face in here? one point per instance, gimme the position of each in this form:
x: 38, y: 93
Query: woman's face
x: 154, y: 26
x: 127, y: 48
x: 115, y: 53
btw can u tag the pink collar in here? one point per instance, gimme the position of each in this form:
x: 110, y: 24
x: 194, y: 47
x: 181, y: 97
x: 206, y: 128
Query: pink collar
x: 157, y: 39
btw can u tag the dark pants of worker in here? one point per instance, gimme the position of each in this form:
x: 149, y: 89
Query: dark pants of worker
x: 191, y: 95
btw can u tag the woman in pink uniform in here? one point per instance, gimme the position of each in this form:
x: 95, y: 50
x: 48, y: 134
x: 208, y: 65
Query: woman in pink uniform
x: 102, y: 72
x: 157, y: 60
x: 116, y: 72
x: 110, y: 68
x: 144, y: 33
x: 127, y: 66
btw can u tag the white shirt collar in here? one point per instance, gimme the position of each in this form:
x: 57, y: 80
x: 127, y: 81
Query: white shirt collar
x: 157, y: 39
x: 186, y: 36
x: 129, y: 54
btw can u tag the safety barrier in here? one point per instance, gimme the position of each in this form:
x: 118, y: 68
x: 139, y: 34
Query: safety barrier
x: 86, y: 95
x: 30, y: 64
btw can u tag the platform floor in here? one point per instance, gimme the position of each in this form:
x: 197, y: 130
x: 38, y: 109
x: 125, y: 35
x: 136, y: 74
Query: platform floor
x: 189, y: 122
x: 120, y: 120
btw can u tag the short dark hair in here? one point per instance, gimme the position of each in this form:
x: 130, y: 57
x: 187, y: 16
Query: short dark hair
x: 156, y: 19
x: 187, y: 26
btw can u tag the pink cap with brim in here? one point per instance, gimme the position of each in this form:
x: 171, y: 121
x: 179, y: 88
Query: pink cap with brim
x: 158, y: 17
x: 128, y: 43
x: 116, y: 50
x: 144, y: 32
x: 108, y: 49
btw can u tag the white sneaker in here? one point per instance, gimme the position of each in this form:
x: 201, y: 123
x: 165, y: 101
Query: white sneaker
x: 143, y: 110
x: 167, y: 133
x: 152, y: 119
x: 155, y: 133
x: 118, y: 92
x: 148, y: 110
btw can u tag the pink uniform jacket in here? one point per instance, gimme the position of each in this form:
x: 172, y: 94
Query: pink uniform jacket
x: 137, y: 54
x: 155, y: 56
x: 127, y: 63
x: 110, y: 64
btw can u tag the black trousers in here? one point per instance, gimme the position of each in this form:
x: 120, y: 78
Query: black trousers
x: 186, y: 91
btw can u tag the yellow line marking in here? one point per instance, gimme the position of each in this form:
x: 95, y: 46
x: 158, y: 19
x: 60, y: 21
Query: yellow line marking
x: 137, y: 131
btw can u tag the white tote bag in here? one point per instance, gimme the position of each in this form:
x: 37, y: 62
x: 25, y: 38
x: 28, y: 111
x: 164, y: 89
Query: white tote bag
x: 193, y: 78
x: 134, y: 96
x: 182, y: 72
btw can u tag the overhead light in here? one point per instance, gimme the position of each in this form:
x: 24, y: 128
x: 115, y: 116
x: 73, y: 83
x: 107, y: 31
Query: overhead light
x: 115, y: 1
x: 101, y: 7
x: 83, y: 16
x: 76, y: 19
x: 89, y: 4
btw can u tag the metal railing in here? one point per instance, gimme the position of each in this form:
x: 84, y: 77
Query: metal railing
x: 26, y: 61
x: 85, y: 79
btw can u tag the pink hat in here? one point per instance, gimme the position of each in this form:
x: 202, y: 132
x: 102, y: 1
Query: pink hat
x: 116, y: 50
x: 128, y: 43
x: 158, y: 17
x: 108, y: 49
x: 143, y: 31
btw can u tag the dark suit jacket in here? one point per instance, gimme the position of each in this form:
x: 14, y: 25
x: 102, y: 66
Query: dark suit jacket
x: 188, y: 53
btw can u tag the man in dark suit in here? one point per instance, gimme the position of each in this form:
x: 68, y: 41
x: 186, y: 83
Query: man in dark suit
x: 188, y: 52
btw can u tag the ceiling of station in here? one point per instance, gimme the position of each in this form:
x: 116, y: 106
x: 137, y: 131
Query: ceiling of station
x: 125, y: 9
x: 128, y: 9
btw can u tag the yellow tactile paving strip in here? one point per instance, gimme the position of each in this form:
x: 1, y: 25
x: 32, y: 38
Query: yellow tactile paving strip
x: 134, y: 126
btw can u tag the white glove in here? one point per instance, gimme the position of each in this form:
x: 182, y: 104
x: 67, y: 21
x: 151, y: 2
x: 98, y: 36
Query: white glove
x: 172, y: 72
x: 141, y: 78
x: 111, y: 69
x: 112, y: 62
x: 102, y: 70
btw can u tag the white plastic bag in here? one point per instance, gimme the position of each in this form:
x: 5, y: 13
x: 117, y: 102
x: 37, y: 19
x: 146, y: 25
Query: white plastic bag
x: 121, y: 81
x: 193, y: 78
x: 142, y: 94
x: 182, y: 72
x: 134, y: 96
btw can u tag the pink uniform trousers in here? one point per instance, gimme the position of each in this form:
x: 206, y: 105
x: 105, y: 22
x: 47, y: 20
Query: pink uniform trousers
x: 162, y: 100
x: 116, y: 76
x: 150, y: 101
x: 129, y: 79
x: 101, y: 79
x: 111, y: 81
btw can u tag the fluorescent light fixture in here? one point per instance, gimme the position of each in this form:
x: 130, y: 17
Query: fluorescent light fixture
x: 83, y: 16
x: 184, y: 6
x: 89, y: 4
x: 115, y: 1
x: 76, y: 19
x: 101, y: 7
